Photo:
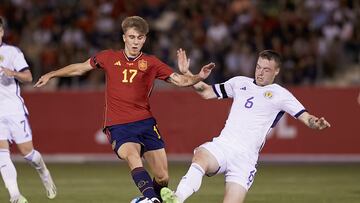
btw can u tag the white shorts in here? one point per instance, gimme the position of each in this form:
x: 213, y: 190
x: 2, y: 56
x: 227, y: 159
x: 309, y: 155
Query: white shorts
x: 15, y: 128
x: 236, y: 167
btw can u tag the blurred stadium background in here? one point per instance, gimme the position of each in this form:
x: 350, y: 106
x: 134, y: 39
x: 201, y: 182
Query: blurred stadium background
x: 320, y: 44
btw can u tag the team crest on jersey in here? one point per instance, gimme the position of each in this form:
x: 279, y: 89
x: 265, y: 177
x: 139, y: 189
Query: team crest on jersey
x: 113, y: 144
x: 142, y: 65
x: 1, y: 58
x: 268, y: 94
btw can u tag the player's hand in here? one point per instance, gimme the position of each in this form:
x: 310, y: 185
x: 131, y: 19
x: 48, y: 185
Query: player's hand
x: 322, y: 123
x: 43, y: 80
x: 183, y: 61
x: 206, y: 70
x: 7, y: 72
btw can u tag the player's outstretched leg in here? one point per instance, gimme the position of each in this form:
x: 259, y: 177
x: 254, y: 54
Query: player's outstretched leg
x: 49, y: 185
x: 35, y: 159
x: 143, y: 181
x: 9, y: 175
x: 19, y: 199
x: 168, y: 196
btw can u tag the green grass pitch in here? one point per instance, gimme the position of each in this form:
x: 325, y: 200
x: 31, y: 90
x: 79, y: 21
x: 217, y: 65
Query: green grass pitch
x: 111, y: 183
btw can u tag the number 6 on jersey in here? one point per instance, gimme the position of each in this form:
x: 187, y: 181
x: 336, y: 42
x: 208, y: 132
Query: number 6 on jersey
x: 249, y: 103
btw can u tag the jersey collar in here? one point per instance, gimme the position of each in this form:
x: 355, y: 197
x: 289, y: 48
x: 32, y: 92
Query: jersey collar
x: 132, y: 59
x: 262, y: 86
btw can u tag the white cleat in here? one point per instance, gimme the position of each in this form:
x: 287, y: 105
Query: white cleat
x: 49, y: 185
x: 168, y: 196
x: 155, y: 200
x: 19, y: 199
x: 141, y: 200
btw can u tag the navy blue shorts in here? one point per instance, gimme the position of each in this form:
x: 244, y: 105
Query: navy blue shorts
x: 144, y: 132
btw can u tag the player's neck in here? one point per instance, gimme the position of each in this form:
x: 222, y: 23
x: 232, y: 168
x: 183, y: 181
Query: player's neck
x: 129, y: 55
x: 262, y: 85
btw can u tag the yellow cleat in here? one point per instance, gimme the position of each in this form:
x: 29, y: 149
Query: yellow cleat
x: 168, y: 196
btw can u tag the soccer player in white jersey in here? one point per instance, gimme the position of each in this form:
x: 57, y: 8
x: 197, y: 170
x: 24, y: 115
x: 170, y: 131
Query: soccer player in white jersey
x: 257, y: 106
x: 14, y: 124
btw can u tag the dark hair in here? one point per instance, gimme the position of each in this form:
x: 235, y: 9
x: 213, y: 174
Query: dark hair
x: 136, y: 22
x: 271, y: 55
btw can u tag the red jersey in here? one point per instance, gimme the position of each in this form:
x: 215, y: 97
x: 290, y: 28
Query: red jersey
x: 128, y: 84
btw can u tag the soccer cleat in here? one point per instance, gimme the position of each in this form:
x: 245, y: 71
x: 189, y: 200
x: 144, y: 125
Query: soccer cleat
x: 141, y: 200
x: 49, y: 185
x: 168, y: 196
x: 155, y: 200
x: 19, y: 199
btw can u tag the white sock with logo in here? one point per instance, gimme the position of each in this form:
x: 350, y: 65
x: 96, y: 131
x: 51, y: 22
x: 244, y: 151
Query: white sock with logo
x: 35, y: 159
x: 8, y: 173
x: 190, y: 183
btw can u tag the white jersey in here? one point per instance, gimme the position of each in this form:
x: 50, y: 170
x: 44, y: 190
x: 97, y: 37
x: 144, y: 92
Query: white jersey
x: 254, y: 112
x: 11, y: 103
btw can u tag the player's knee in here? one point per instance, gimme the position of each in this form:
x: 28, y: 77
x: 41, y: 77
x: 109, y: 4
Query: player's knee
x: 201, y: 161
x: 134, y: 160
x: 4, y: 155
x: 25, y: 148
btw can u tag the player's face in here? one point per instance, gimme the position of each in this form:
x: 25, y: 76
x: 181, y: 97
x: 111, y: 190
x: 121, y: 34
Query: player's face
x: 134, y: 41
x: 265, y: 72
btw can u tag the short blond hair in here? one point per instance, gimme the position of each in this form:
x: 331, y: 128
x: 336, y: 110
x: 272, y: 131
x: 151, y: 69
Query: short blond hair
x: 136, y: 22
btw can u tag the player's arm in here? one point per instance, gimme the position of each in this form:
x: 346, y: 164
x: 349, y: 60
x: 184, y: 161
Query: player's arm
x: 189, y: 80
x: 22, y: 76
x: 71, y: 70
x: 313, y: 122
x: 184, y: 80
x: 203, y: 89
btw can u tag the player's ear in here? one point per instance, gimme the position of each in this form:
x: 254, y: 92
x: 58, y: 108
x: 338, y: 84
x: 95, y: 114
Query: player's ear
x: 277, y: 71
x: 123, y: 37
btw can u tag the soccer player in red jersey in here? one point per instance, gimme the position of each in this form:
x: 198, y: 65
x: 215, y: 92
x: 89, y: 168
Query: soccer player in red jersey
x: 129, y: 124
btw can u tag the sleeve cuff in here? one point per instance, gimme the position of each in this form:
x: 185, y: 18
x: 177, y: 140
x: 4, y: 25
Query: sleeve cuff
x: 24, y: 69
x: 300, y: 112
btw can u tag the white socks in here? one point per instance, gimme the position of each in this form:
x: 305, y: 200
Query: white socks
x: 190, y: 183
x: 35, y: 159
x: 8, y: 173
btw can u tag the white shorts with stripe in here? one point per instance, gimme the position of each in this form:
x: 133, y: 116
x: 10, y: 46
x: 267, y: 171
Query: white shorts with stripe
x: 235, y: 165
x: 15, y: 128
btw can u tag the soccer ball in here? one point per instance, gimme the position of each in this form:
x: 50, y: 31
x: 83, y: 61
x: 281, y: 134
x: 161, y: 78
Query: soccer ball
x: 141, y: 200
